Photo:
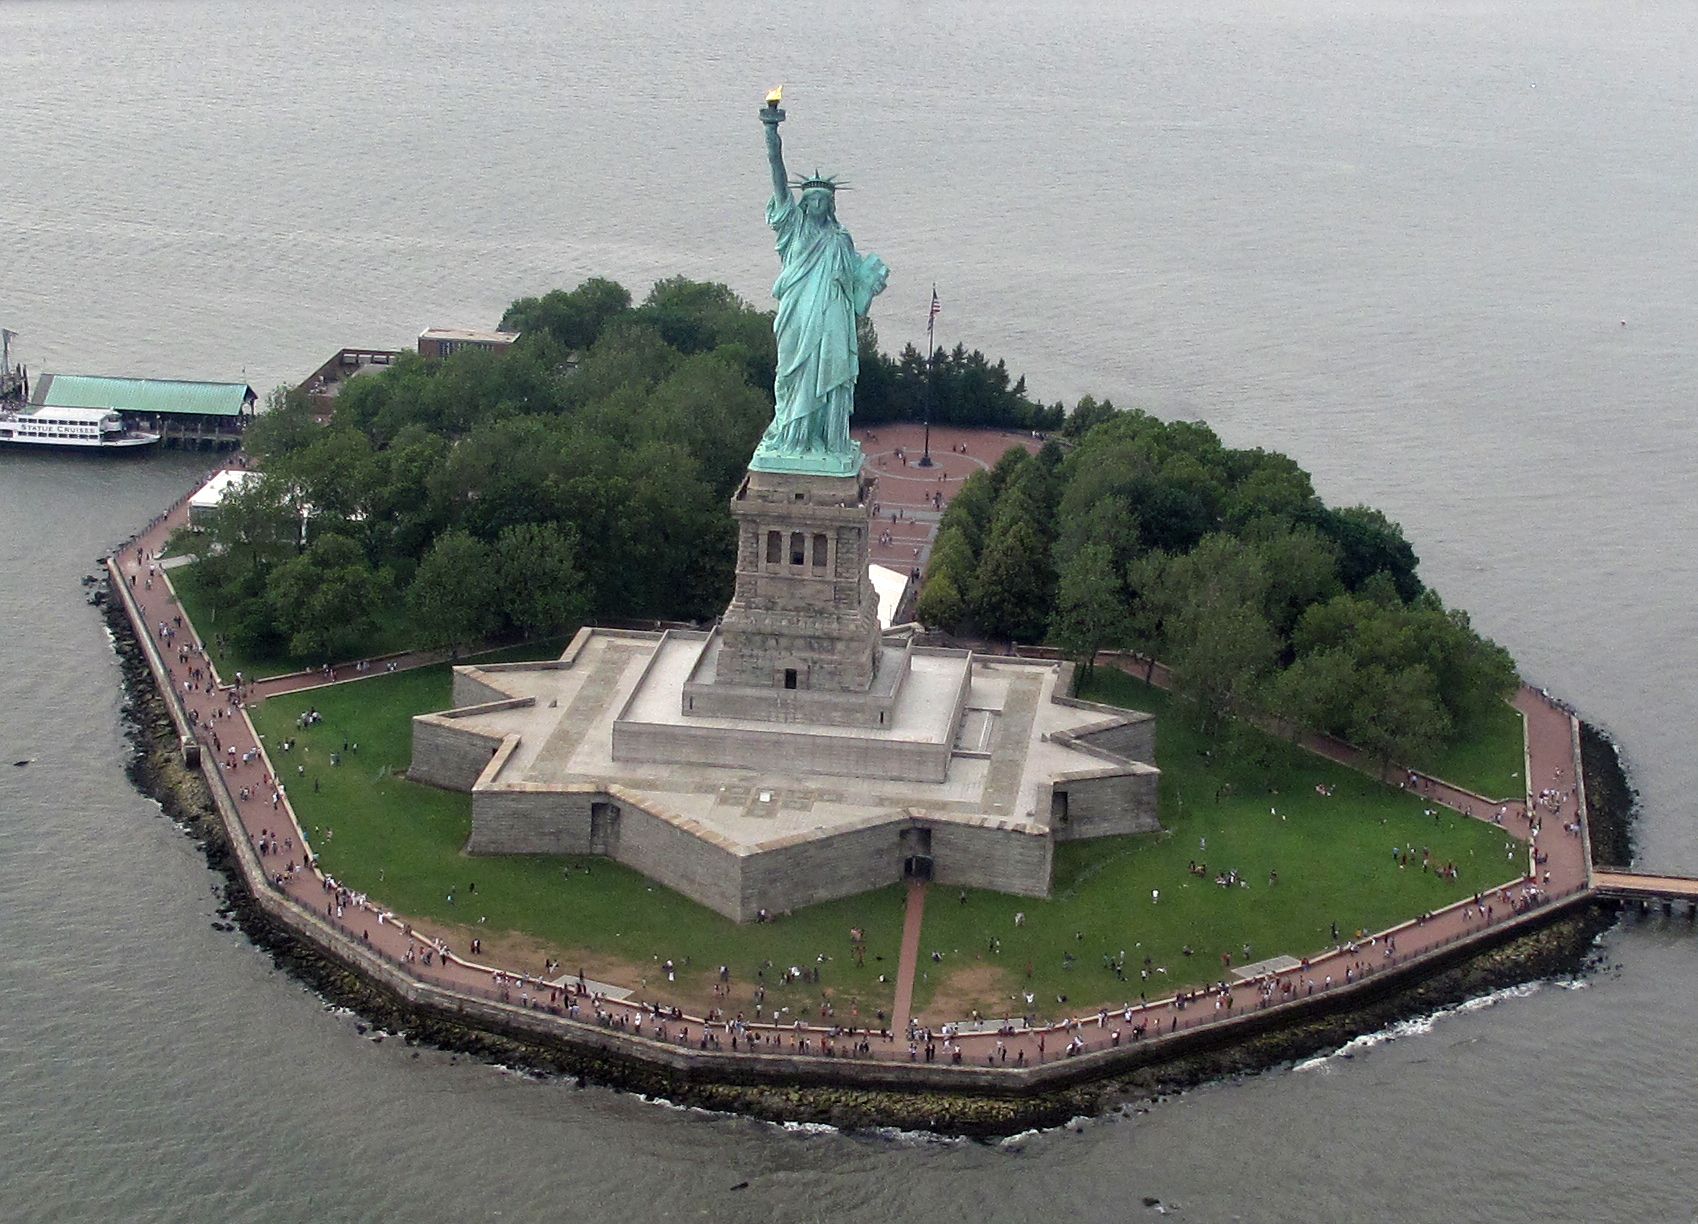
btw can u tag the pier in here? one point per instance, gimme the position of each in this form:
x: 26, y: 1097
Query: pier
x: 1647, y: 889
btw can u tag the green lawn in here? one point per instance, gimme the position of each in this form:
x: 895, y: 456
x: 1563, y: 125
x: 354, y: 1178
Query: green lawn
x: 182, y: 543
x: 393, y: 632
x: 401, y: 842
x: 1487, y: 758
x: 1259, y: 813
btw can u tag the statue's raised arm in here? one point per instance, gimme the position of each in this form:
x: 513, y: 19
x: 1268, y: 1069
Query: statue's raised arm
x: 771, y: 117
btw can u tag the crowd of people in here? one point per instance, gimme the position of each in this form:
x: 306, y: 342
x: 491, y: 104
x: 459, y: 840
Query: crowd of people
x: 213, y: 710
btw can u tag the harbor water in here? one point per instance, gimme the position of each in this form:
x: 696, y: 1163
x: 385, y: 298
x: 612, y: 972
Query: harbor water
x: 1443, y: 254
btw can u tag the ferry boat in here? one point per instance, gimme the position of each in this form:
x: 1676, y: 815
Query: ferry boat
x: 77, y: 428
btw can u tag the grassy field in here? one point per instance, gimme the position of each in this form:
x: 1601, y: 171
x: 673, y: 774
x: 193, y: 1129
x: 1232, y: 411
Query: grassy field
x: 1255, y: 810
x: 1488, y: 757
x: 401, y: 842
x: 393, y: 632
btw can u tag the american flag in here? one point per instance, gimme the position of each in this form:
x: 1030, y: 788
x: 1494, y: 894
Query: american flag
x: 937, y: 307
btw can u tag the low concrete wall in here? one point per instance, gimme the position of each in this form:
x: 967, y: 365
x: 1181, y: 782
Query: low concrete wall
x: 991, y: 855
x: 1109, y: 805
x: 843, y: 756
x: 684, y: 1065
x: 854, y: 861
x: 449, y: 754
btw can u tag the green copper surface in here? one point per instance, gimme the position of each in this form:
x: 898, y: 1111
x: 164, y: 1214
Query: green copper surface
x: 822, y: 288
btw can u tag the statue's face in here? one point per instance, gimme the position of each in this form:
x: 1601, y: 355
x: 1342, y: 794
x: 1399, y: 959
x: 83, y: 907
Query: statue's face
x: 816, y: 203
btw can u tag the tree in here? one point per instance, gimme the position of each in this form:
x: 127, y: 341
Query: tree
x: 940, y: 605
x: 1104, y: 520
x: 325, y: 599
x: 1369, y: 543
x: 1147, y: 609
x: 1474, y: 674
x: 1002, y: 473
x: 1397, y: 715
x: 454, y: 597
x: 255, y: 524
x: 1315, y: 693
x: 404, y: 519
x: 971, y: 510
x: 285, y: 426
x: 575, y: 318
x: 1211, y: 606
x: 1090, y: 608
x: 952, y: 556
x: 1087, y: 416
x: 1302, y: 570
x: 1011, y: 590
x: 1221, y: 655
x: 536, y: 573
x: 334, y: 475
x: 1263, y: 485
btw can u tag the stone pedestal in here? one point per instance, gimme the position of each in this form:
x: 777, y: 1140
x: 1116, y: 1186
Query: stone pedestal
x: 802, y: 625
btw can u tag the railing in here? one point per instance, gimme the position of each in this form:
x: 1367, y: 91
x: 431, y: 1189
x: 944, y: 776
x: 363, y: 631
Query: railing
x: 810, y: 1040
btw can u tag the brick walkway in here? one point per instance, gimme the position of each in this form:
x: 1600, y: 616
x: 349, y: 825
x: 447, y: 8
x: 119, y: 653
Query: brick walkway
x: 239, y: 763
x: 913, y: 918
x: 910, y: 499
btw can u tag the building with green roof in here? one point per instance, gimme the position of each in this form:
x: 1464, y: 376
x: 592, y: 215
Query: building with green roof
x: 182, y: 413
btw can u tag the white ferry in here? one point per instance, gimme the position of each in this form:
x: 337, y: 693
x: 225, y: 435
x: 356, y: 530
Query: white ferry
x: 79, y: 428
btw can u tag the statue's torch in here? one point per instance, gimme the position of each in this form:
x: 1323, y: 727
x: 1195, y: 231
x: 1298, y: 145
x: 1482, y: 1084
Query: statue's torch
x: 771, y: 113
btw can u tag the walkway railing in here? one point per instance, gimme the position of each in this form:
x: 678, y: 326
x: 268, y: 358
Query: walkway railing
x: 1023, y: 1044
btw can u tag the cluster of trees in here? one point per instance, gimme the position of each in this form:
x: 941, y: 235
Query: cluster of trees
x: 957, y: 388
x: 583, y: 473
x: 1224, y: 563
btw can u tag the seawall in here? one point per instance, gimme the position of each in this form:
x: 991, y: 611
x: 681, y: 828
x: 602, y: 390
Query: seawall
x: 851, y: 1093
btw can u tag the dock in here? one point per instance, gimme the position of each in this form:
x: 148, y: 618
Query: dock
x: 1646, y: 888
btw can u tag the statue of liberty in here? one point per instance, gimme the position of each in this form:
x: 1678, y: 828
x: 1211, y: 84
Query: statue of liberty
x: 823, y: 287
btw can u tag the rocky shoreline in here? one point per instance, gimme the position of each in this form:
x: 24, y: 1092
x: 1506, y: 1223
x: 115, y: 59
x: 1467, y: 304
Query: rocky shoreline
x: 1559, y: 948
x: 1610, y: 798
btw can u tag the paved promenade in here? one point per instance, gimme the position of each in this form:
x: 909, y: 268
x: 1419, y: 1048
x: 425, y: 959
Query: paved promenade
x: 910, y: 499
x: 1552, y: 827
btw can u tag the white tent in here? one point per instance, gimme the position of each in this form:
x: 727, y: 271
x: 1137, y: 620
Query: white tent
x: 891, y: 585
x: 211, y: 494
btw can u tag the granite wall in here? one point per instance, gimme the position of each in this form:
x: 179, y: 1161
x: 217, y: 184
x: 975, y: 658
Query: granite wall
x: 449, y: 753
x: 1002, y: 855
x: 786, y: 877
x: 843, y: 756
x: 507, y: 820
x: 683, y: 856
x: 1109, y: 804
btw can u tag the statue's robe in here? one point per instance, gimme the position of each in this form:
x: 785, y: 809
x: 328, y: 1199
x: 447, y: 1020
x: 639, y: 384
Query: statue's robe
x: 821, y: 290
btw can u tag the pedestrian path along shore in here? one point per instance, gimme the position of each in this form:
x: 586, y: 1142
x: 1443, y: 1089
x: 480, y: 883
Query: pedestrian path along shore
x: 1550, y: 821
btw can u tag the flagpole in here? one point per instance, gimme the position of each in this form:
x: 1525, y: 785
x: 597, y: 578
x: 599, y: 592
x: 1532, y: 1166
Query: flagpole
x: 931, y: 352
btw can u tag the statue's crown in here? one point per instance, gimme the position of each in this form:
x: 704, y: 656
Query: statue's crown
x: 828, y: 182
